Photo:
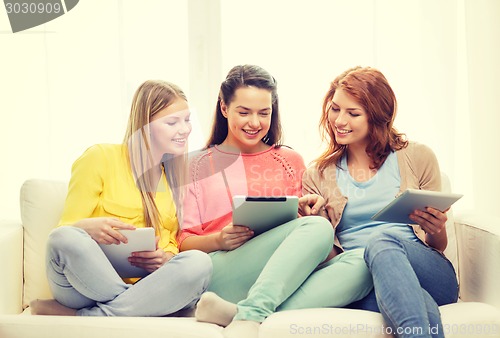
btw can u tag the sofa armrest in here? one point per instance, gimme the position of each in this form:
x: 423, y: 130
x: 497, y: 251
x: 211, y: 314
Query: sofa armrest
x: 11, y: 265
x: 478, y: 239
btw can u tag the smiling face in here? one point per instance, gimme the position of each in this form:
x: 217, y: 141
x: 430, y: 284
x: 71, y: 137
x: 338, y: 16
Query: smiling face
x: 170, y: 128
x: 249, y: 119
x: 348, y: 120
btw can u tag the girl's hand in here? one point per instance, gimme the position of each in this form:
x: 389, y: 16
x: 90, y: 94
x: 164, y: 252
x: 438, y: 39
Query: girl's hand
x: 233, y: 236
x: 311, y: 204
x: 150, y: 260
x: 103, y: 230
x: 432, y: 221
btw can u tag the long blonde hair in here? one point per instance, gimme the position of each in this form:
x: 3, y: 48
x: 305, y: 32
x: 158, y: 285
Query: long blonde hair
x: 150, y: 98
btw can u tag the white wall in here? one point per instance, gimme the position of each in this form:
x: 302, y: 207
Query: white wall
x: 68, y: 84
x: 483, y: 63
x: 420, y: 45
x: 304, y: 48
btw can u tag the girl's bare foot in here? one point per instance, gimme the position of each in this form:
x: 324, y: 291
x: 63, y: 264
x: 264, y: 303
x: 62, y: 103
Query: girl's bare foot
x: 50, y: 307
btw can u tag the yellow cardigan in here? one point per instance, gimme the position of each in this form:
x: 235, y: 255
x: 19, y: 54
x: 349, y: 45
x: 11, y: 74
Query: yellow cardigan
x: 102, y: 185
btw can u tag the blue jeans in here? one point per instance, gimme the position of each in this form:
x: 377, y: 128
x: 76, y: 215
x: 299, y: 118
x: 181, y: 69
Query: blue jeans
x: 81, y: 277
x: 410, y: 281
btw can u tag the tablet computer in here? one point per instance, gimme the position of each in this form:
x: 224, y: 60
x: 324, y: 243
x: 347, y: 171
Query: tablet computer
x: 140, y: 239
x: 400, y: 208
x: 264, y: 213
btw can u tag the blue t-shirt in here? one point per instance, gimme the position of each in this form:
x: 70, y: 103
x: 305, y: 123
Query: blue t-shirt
x: 364, y: 200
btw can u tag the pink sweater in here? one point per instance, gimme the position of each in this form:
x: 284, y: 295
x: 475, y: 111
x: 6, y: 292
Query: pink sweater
x: 215, y: 176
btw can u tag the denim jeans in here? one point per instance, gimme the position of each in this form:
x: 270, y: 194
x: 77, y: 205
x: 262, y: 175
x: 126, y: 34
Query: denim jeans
x: 81, y: 277
x: 410, y: 281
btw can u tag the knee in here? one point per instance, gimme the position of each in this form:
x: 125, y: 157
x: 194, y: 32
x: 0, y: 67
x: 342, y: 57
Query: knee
x: 320, y: 226
x: 64, y: 239
x: 199, y: 266
x: 378, y: 242
x: 201, y: 261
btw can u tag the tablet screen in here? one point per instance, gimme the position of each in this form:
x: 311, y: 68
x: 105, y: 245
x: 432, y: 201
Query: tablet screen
x: 140, y: 239
x: 261, y: 213
x: 400, y: 208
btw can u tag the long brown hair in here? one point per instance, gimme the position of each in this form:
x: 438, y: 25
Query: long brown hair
x: 246, y: 76
x: 368, y: 87
x: 150, y: 98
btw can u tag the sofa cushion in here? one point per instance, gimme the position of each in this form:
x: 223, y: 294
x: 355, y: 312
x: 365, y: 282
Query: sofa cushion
x: 11, y: 239
x: 479, y: 238
x: 42, y: 202
x: 470, y: 319
x: 21, y: 326
x: 464, y: 319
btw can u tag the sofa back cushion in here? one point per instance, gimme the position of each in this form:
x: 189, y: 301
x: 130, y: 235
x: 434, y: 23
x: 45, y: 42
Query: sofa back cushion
x: 42, y: 202
x: 451, y: 251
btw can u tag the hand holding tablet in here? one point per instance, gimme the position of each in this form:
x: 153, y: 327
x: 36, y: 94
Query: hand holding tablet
x: 140, y: 239
x: 264, y: 213
x: 412, y: 199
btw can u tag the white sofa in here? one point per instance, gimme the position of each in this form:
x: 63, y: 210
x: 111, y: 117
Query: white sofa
x: 474, y: 248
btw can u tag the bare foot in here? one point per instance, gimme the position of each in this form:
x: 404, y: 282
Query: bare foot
x: 50, y: 307
x: 213, y: 309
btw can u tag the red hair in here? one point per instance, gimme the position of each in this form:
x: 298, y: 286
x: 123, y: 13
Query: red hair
x: 369, y: 88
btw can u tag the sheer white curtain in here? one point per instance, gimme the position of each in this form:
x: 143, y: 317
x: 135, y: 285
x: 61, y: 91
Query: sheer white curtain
x: 482, y: 41
x: 441, y: 58
x: 68, y: 84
